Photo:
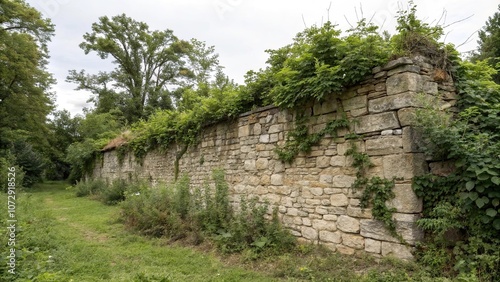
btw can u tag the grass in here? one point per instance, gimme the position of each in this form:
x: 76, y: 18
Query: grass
x: 65, y: 238
x: 77, y: 239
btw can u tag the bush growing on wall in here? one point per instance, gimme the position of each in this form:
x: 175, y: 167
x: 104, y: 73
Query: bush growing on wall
x: 468, y: 200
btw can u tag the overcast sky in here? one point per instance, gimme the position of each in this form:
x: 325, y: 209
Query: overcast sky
x: 240, y: 30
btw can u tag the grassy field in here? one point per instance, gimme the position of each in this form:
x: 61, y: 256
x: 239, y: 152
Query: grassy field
x: 64, y: 238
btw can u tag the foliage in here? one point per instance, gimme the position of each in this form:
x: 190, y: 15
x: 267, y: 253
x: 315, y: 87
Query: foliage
x: 184, y: 125
x: 5, y: 163
x: 25, y: 97
x: 93, y: 133
x: 31, y: 162
x: 176, y: 212
x: 147, y: 63
x: 489, y: 42
x: 376, y: 191
x: 415, y: 36
x: 68, y: 238
x: 320, y: 62
x: 472, y: 141
x: 299, y: 140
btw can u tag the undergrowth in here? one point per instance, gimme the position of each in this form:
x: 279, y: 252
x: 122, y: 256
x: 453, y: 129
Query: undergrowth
x: 176, y: 211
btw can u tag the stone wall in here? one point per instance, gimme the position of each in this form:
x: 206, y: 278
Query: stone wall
x: 314, y: 194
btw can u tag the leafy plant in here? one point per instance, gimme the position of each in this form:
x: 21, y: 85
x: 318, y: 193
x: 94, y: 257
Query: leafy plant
x: 376, y: 191
x: 471, y: 141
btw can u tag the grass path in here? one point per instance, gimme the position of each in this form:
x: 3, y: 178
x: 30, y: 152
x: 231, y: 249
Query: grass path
x: 89, y: 244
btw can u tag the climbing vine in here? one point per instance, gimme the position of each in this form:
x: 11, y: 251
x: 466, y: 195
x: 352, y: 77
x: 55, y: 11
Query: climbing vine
x: 376, y: 191
x: 299, y: 140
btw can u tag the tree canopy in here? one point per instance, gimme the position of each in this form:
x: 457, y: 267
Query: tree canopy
x: 489, y: 43
x: 25, y: 97
x: 150, y: 66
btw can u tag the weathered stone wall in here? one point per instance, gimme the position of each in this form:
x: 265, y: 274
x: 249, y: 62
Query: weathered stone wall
x: 314, y: 194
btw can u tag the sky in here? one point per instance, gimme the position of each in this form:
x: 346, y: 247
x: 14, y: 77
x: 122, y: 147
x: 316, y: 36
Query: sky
x: 240, y: 30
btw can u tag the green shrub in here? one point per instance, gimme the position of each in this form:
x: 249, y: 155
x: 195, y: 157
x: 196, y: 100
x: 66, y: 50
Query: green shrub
x: 176, y: 212
x: 89, y: 187
x: 5, y: 164
x: 114, y: 193
x: 151, y: 213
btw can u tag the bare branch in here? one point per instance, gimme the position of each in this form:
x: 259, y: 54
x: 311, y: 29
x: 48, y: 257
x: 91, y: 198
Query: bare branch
x: 304, y: 21
x: 348, y: 22
x: 458, y: 21
x: 328, y: 11
x: 468, y: 38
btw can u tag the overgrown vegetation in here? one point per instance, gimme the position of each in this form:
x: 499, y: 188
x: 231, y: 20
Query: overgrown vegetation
x: 466, y: 202
x: 174, y: 211
x: 66, y: 238
x: 376, y: 191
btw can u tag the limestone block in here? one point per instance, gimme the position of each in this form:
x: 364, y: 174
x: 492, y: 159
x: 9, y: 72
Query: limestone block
x: 376, y: 122
x: 250, y: 165
x: 345, y: 250
x: 384, y: 146
x: 320, y: 224
x: 373, y: 246
x: 357, y: 102
x: 396, y: 63
x: 396, y: 250
x: 321, y: 210
x: 380, y: 74
x: 404, y: 166
x: 316, y: 191
x: 343, y: 181
x: 330, y: 217
x: 309, y: 233
x: 257, y: 129
x: 405, y: 200
x: 337, y: 210
x: 331, y: 237
x: 359, y: 212
x: 357, y: 113
x: 339, y: 200
x: 338, y: 161
x: 403, y: 82
x: 273, y: 137
x: 412, y: 140
x: 404, y: 69
x: 244, y: 131
x: 325, y: 178
x: 353, y: 241
x: 265, y: 180
x: 406, y: 116
x: 330, y: 191
x: 323, y: 161
x: 275, y: 128
x: 264, y: 138
x: 262, y: 163
x: 395, y: 102
x: 365, y: 89
x: 313, y: 202
x: 278, y: 166
x: 371, y: 228
x: 348, y: 224
x: 277, y: 179
x: 326, y: 107
x: 430, y: 88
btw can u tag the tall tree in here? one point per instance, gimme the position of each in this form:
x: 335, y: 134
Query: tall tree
x: 25, y: 98
x: 489, y: 43
x: 149, y: 65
